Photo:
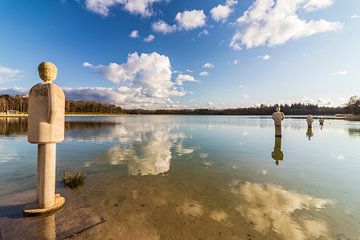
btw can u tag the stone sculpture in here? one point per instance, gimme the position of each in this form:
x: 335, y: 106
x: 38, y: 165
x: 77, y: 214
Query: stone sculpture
x: 46, y: 128
x: 309, y: 120
x: 278, y: 117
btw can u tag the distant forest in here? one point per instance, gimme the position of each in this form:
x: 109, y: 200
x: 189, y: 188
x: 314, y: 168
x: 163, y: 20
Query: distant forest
x: 20, y: 104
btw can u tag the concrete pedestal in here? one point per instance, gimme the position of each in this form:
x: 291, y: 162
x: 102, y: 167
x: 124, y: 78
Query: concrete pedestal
x: 33, y: 209
x: 46, y: 171
x: 47, y: 201
x: 278, y: 131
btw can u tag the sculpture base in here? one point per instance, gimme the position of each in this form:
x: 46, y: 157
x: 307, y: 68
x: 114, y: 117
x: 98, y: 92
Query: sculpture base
x: 32, y: 210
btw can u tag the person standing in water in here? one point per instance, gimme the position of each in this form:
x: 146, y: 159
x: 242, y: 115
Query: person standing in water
x: 278, y: 117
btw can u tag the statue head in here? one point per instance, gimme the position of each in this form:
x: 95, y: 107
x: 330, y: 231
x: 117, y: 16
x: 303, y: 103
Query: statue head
x: 47, y: 71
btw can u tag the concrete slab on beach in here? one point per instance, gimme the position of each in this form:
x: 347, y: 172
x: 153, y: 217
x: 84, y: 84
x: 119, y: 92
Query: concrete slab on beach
x: 75, y: 218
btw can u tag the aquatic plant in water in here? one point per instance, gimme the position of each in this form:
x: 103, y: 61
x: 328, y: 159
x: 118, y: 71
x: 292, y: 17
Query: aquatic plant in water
x: 73, y: 180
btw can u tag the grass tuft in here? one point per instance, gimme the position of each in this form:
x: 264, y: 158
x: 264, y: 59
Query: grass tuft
x: 73, y: 180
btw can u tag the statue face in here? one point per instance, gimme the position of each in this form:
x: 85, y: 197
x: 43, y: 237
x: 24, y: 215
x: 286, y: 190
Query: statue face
x: 47, y: 71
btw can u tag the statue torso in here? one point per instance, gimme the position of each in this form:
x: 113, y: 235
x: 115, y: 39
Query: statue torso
x: 46, y: 100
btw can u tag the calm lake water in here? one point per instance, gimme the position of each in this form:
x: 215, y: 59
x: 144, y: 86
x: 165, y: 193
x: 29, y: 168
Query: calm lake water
x: 203, y: 177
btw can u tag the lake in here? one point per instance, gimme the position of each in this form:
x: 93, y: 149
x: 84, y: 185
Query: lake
x: 202, y: 177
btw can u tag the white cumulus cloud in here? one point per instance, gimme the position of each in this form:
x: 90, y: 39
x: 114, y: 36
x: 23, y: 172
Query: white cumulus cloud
x: 162, y: 27
x: 204, y: 74
x: 102, y: 7
x: 265, y: 57
x: 222, y: 12
x: 271, y: 23
x: 181, y: 78
x: 149, y: 38
x: 9, y: 74
x: 134, y: 34
x: 189, y: 20
x: 313, y: 5
x: 87, y: 64
x: 324, y: 102
x: 340, y: 73
x: 208, y: 65
x: 204, y: 32
x: 144, y: 80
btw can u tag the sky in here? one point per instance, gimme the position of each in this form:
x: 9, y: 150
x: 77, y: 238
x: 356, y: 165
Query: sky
x: 185, y: 53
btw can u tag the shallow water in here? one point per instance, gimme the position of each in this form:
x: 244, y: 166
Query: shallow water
x: 199, y: 177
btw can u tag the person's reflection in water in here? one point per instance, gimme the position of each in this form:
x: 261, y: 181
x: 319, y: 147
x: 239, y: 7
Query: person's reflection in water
x: 46, y: 228
x: 321, y: 122
x: 309, y: 133
x: 277, y: 154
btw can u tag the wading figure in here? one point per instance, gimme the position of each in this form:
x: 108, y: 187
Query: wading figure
x: 278, y: 117
x: 321, y: 122
x: 309, y: 120
x: 46, y: 128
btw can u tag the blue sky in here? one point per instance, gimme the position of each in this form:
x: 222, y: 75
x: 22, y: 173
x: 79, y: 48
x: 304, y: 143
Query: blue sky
x: 171, y: 53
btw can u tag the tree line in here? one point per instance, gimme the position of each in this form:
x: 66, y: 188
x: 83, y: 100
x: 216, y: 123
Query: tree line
x: 20, y: 104
x: 293, y: 109
x: 19, y: 126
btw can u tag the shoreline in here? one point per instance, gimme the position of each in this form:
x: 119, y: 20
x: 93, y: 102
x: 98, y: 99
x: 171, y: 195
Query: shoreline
x: 329, y: 117
x: 70, y: 115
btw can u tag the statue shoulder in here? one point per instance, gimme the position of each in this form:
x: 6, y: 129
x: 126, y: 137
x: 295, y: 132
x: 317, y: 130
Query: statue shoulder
x: 36, y: 86
x: 56, y: 89
x: 39, y: 89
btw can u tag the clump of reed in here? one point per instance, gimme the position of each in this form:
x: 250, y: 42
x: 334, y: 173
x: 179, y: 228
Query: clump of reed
x: 73, y: 179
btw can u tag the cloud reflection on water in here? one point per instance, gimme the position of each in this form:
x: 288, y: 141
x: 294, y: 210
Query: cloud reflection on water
x: 270, y: 207
x: 146, y: 149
